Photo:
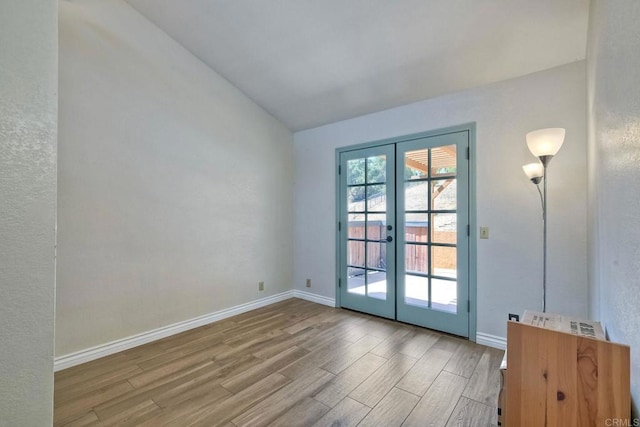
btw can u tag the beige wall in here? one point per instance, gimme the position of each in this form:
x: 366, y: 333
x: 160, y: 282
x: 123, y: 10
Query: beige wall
x: 174, y: 188
x: 28, y: 105
x: 613, y: 60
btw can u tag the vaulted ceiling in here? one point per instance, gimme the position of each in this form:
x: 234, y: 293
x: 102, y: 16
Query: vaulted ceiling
x: 312, y: 62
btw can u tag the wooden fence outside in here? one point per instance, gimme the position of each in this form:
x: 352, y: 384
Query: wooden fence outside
x: 416, y: 256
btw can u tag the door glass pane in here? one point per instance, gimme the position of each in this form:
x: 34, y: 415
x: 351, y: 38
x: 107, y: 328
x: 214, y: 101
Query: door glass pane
x: 378, y: 219
x: 377, y: 284
x: 416, y: 196
x: 444, y: 229
x: 416, y: 227
x: 376, y: 198
x: 416, y: 258
x: 416, y: 164
x: 444, y: 261
x: 355, y: 253
x: 376, y: 226
x: 444, y: 295
x: 355, y: 171
x: 376, y: 255
x: 355, y: 280
x: 355, y: 227
x: 443, y: 161
x: 431, y: 186
x: 416, y: 290
x: 443, y: 194
x: 376, y: 169
x: 355, y: 198
x: 367, y: 220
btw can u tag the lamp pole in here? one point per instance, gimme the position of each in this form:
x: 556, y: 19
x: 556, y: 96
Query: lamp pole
x: 543, y: 201
x: 544, y: 160
x: 544, y: 243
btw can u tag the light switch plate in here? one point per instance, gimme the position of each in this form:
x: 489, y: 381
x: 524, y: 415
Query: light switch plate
x: 484, y: 232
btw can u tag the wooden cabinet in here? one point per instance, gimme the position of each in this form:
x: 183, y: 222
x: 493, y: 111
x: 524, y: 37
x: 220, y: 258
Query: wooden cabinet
x: 561, y: 379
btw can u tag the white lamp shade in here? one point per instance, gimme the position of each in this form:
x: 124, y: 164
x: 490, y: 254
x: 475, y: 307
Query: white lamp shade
x: 545, y: 142
x: 533, y: 170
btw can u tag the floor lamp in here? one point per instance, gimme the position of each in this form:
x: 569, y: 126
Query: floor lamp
x: 544, y: 144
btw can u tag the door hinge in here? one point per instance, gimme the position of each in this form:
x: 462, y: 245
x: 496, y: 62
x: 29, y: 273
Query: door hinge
x: 339, y: 226
x: 468, y: 153
x: 468, y: 306
x: 468, y: 230
x: 339, y: 282
x: 339, y: 169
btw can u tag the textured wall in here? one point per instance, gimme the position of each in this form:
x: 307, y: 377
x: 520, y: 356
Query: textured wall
x: 28, y: 105
x: 175, y: 190
x: 614, y: 116
x: 510, y: 262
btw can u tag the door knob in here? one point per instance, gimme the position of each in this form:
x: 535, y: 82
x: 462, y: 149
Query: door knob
x: 389, y: 239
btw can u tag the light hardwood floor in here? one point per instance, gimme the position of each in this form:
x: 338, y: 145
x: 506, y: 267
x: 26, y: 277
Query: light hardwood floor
x: 293, y: 363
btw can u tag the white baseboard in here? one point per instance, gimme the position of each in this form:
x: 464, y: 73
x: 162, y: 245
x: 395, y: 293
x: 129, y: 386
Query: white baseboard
x: 331, y: 302
x: 93, y: 353
x: 491, y: 340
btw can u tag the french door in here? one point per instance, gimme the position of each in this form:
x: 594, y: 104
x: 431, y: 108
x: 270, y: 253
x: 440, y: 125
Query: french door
x: 403, y: 231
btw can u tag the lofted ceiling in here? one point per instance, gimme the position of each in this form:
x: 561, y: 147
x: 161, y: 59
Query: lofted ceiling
x: 312, y: 62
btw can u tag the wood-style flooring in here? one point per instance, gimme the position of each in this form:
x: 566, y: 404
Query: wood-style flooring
x: 293, y: 363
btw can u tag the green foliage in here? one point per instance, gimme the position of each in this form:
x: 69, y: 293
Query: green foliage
x: 376, y: 169
x: 410, y: 172
x: 375, y: 173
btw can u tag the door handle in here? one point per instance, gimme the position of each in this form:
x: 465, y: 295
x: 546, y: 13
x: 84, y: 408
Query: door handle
x: 389, y: 239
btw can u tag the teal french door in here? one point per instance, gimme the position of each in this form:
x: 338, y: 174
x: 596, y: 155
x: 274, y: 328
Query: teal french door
x: 367, y: 200
x: 403, y: 231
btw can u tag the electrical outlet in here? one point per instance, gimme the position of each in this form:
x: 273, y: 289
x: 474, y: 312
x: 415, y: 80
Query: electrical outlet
x: 308, y: 283
x: 261, y: 286
x: 514, y: 317
x: 484, y: 232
